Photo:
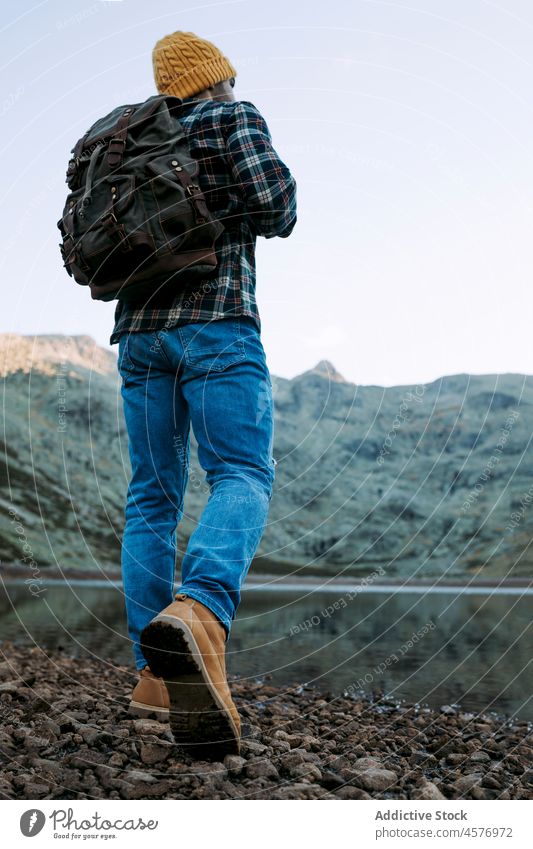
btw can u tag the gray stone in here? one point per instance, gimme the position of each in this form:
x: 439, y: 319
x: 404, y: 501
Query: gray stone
x: 261, y: 768
x: 427, y: 790
x: 90, y: 735
x: 456, y: 758
x: 153, y: 753
x: 135, y: 775
x: 376, y: 779
x: 250, y: 747
x: 10, y: 687
x: 350, y: 792
x: 306, y: 772
x: 366, y: 763
x: 480, y: 757
x: 149, y: 726
x: 234, y: 764
x: 36, y: 790
x: 291, y: 759
x: 465, y: 783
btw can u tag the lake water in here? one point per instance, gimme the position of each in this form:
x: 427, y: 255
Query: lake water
x: 455, y: 646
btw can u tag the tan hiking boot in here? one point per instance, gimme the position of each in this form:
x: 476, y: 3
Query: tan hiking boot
x: 185, y: 645
x: 149, y: 697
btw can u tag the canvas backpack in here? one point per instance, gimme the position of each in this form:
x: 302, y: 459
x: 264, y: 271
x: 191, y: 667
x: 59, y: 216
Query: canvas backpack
x: 135, y: 220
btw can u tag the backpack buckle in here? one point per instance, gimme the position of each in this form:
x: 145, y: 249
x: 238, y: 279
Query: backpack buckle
x: 113, y: 142
x: 114, y: 153
x: 115, y: 230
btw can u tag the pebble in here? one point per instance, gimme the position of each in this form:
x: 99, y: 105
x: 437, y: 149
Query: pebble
x: 306, y: 771
x: 10, y: 687
x: 234, y: 764
x: 366, y: 763
x: 260, y: 768
x: 251, y: 748
x: 135, y: 775
x: 292, y: 759
x: 376, y: 779
x: 154, y: 753
x: 479, y: 757
x: 427, y: 790
x: 349, y: 792
x: 149, y: 726
x: 466, y: 782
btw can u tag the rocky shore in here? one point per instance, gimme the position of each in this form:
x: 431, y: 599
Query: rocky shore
x: 65, y: 734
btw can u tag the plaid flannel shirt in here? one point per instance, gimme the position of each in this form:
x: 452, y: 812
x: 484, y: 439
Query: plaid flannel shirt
x: 247, y: 187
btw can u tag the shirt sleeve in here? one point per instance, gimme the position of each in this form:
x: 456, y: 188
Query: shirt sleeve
x: 267, y: 185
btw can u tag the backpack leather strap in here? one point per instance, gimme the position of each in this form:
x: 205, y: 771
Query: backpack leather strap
x: 117, y: 143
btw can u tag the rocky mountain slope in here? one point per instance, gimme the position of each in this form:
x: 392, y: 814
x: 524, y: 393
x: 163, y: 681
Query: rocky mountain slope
x: 416, y: 481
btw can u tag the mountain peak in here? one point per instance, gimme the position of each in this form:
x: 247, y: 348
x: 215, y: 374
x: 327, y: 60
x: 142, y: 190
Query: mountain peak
x: 53, y: 353
x: 326, y: 369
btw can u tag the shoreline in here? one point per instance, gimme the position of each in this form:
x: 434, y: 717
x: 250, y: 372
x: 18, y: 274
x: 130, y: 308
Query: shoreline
x: 11, y: 573
x: 66, y: 734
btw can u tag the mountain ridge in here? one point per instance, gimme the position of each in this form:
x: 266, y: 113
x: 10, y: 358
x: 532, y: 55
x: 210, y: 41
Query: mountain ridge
x: 399, y: 476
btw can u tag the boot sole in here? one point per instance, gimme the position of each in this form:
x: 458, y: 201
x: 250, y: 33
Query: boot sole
x: 144, y: 711
x: 199, y: 721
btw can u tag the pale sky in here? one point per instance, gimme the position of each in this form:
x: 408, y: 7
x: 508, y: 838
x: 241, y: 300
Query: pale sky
x: 407, y: 126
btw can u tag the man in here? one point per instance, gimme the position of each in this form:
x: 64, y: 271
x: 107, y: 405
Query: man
x: 195, y: 357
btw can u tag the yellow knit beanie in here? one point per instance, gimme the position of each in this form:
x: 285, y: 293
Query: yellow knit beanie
x: 185, y: 64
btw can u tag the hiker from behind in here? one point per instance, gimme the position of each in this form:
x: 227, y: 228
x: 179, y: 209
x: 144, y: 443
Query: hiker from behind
x: 193, y: 357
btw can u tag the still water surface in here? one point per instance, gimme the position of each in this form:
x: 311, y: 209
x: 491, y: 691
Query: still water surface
x: 445, y: 647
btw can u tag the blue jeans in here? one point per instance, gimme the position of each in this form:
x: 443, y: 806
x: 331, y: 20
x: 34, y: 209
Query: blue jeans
x: 211, y: 375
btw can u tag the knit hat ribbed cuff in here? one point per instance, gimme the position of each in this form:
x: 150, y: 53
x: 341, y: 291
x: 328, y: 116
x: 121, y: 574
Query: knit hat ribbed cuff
x: 197, y: 79
x: 185, y: 64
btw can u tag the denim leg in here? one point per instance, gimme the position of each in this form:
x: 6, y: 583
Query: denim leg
x: 158, y: 426
x: 227, y: 387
